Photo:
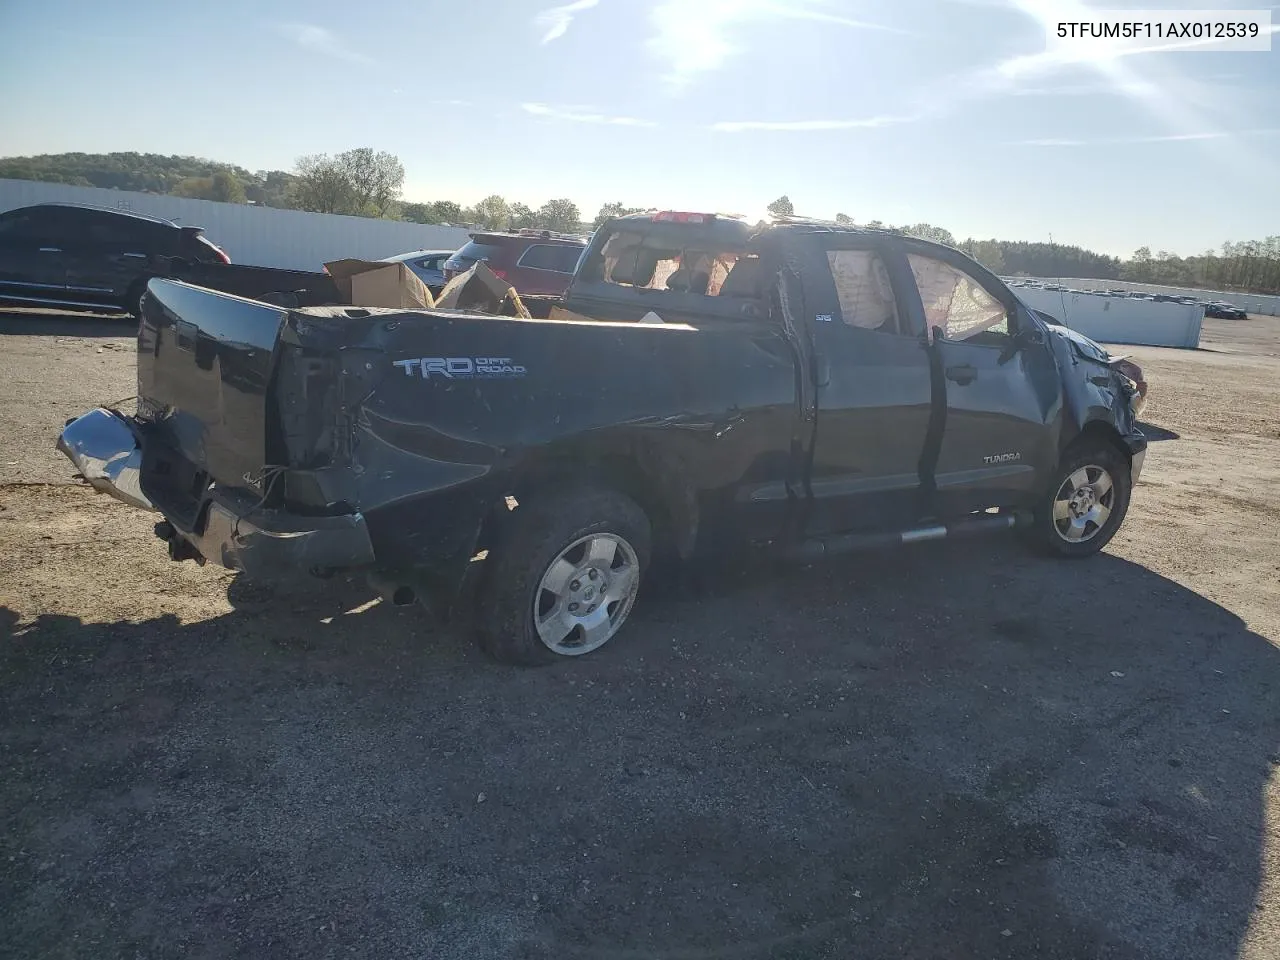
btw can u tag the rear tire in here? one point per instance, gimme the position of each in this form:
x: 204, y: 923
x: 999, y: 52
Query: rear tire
x: 565, y: 577
x: 133, y: 299
x: 1085, y: 503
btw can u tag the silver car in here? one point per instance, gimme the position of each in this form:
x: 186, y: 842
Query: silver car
x: 427, y: 264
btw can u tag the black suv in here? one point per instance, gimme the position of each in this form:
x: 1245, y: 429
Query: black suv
x: 90, y: 257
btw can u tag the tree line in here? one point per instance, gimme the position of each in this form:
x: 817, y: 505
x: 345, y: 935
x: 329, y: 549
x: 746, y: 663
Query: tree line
x: 369, y: 183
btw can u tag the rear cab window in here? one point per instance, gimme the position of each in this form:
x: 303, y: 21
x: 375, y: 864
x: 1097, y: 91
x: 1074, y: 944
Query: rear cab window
x: 864, y: 291
x: 707, y: 269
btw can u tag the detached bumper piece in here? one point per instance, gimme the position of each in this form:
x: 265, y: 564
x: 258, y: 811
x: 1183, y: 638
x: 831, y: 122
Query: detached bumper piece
x: 269, y: 543
x: 106, y: 451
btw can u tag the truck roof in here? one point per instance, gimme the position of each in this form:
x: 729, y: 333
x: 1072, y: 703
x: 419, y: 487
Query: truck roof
x: 735, y: 227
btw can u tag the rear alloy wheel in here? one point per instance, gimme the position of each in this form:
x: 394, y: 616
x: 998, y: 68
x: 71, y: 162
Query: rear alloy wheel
x: 566, y: 577
x: 1087, y: 502
x: 586, y: 593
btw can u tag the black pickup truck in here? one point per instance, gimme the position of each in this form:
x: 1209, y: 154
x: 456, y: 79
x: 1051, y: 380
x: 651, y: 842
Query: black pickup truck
x: 804, y: 388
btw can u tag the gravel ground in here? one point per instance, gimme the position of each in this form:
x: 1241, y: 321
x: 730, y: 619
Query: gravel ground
x: 954, y: 750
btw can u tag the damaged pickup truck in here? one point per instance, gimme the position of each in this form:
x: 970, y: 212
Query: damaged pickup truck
x: 803, y: 387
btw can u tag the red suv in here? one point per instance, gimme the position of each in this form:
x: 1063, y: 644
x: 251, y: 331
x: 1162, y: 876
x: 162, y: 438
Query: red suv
x: 535, y: 262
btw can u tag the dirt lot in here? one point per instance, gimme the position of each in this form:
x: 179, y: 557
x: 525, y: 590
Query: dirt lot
x: 948, y: 751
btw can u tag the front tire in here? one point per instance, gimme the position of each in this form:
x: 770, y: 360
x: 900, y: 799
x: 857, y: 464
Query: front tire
x: 565, y: 579
x: 1085, y: 502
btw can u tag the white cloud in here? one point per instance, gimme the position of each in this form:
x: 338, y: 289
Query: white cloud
x: 554, y: 22
x: 1048, y: 142
x: 691, y: 36
x: 322, y: 41
x: 1132, y: 88
x: 870, y: 123
x: 1166, y: 138
x: 576, y: 114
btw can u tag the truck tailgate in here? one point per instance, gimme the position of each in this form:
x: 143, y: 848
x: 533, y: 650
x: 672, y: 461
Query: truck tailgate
x: 205, y: 361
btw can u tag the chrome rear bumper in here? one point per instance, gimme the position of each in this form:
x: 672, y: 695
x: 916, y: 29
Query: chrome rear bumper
x: 103, y: 447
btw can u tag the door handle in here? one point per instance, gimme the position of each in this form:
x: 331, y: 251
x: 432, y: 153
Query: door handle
x: 50, y: 249
x: 135, y: 256
x: 962, y: 374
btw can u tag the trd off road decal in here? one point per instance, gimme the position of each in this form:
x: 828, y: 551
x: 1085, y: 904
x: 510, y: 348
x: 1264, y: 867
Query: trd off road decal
x: 461, y: 368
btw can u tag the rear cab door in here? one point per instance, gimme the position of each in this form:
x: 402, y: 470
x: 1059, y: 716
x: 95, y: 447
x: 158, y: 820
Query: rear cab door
x: 741, y: 381
x: 1003, y: 393
x: 875, y: 387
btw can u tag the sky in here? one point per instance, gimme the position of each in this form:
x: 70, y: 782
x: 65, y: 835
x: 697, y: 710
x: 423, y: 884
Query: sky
x: 952, y: 112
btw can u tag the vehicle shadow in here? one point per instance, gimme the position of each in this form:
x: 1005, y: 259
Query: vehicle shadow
x: 57, y: 323
x: 959, y: 751
x: 1156, y: 434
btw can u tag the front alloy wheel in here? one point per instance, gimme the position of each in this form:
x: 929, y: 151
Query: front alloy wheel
x: 1083, y: 503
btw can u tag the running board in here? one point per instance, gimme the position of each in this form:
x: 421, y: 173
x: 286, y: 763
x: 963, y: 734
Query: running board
x: 106, y: 308
x: 816, y: 549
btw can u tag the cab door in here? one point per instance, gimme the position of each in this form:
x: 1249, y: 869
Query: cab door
x: 32, y: 267
x: 875, y: 388
x: 108, y: 254
x: 1001, y: 384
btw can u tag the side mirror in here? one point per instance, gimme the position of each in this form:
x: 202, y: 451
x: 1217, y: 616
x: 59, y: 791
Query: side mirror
x: 1030, y: 336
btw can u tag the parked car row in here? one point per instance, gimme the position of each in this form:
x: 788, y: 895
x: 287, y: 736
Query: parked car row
x: 95, y: 258
x: 1218, y: 309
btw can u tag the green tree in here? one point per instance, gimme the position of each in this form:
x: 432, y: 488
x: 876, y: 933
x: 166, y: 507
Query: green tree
x: 782, y: 207
x: 987, y: 253
x: 195, y: 188
x: 522, y: 216
x: 927, y: 231
x: 416, y: 212
x: 359, y: 182
x: 376, y: 179
x: 321, y: 185
x: 559, y: 214
x: 226, y: 188
x: 491, y: 213
x: 844, y: 219
x: 611, y: 210
x: 446, y: 211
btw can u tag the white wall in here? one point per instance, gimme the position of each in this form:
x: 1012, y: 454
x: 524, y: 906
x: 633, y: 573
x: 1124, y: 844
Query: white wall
x: 1249, y: 302
x: 1120, y: 320
x: 260, y: 236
